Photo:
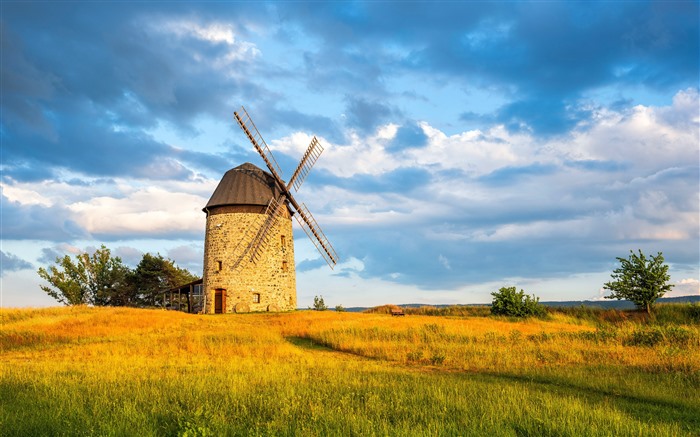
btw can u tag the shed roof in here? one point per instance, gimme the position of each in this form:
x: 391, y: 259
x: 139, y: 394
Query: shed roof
x: 244, y: 185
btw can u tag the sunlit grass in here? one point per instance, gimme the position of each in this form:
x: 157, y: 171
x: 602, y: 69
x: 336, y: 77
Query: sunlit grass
x: 119, y: 371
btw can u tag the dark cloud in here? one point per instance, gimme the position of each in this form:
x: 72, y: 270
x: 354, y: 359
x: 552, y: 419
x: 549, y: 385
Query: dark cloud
x: 49, y: 255
x: 217, y: 164
x: 366, y: 115
x: 83, y: 81
x: 409, y: 135
x: 545, y: 116
x: 401, y: 180
x: 318, y: 125
x: 92, y: 148
x: 544, y: 56
x: 37, y: 222
x: 12, y: 263
x: 78, y: 93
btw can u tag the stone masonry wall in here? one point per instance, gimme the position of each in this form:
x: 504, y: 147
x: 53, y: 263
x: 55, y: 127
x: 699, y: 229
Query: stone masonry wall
x: 272, y: 278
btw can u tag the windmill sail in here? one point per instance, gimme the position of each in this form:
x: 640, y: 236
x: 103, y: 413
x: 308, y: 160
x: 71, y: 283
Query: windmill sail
x: 246, y: 123
x: 257, y: 242
x: 304, y: 217
x: 261, y: 239
x: 307, y: 161
x: 316, y: 235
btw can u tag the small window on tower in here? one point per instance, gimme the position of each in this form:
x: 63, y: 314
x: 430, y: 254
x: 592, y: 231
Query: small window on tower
x: 220, y: 265
x: 256, y: 297
x: 284, y: 266
x: 283, y: 241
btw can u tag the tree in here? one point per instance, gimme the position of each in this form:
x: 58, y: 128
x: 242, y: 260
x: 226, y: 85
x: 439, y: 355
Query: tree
x: 319, y: 304
x: 155, y: 274
x: 97, y: 279
x: 640, y: 280
x: 509, y: 302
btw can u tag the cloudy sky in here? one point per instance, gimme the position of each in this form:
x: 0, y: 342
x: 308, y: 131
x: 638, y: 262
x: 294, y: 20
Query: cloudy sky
x: 469, y: 145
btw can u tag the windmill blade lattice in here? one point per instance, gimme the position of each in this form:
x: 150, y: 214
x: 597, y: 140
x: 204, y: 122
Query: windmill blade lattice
x: 303, y: 216
x: 273, y: 210
x: 316, y: 235
x: 307, y: 161
x: 259, y: 241
x: 251, y: 131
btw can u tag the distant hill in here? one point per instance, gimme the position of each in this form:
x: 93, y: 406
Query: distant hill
x: 620, y: 304
x: 608, y: 304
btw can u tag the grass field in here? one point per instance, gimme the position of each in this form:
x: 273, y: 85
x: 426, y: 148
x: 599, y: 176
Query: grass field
x: 120, y: 371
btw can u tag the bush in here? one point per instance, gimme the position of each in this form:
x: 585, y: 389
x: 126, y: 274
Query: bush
x: 679, y: 336
x: 339, y: 308
x: 694, y: 312
x: 415, y: 356
x: 509, y: 302
x: 645, y: 337
x: 437, y: 359
x: 319, y: 304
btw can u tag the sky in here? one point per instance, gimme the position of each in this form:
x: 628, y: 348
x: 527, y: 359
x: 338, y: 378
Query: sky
x: 468, y: 145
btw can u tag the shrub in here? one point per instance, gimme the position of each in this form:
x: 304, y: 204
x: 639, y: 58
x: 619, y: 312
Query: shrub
x: 679, y: 336
x: 339, y: 308
x: 645, y: 337
x: 509, y: 302
x: 599, y: 336
x: 694, y: 312
x: 437, y: 359
x: 415, y: 356
x: 319, y: 304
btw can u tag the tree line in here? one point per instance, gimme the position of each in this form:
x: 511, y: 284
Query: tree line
x: 101, y: 279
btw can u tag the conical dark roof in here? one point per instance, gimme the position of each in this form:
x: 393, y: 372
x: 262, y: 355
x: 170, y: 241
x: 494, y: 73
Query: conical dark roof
x: 244, y: 185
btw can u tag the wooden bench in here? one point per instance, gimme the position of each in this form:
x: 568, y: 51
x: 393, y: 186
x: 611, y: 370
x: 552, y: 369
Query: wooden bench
x: 397, y: 312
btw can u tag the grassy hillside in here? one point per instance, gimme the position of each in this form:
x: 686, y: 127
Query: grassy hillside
x: 119, y: 371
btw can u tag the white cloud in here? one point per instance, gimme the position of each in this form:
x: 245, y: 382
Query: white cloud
x: 151, y: 210
x: 121, y: 207
x: 211, y: 32
x: 24, y: 195
x: 476, y: 152
x: 685, y: 287
x: 649, y: 138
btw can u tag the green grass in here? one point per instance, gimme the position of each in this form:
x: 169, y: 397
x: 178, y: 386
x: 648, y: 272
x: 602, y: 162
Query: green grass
x: 91, y: 371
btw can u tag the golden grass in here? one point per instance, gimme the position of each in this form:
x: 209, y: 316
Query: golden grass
x: 310, y: 371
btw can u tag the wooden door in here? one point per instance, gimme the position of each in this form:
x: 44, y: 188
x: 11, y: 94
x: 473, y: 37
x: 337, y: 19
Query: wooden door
x: 220, y: 301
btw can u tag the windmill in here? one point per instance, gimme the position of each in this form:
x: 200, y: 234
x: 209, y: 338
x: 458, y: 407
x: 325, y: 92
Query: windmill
x: 249, y: 251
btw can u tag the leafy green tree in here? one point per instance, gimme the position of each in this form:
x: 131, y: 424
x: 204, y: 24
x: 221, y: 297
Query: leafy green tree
x: 319, y: 304
x: 640, y: 280
x: 97, y: 279
x: 509, y: 302
x: 155, y: 274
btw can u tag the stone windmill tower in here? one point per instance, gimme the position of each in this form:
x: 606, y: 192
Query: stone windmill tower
x: 248, y: 246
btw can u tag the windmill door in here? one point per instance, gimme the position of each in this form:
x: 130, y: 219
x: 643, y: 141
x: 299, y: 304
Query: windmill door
x: 220, y: 301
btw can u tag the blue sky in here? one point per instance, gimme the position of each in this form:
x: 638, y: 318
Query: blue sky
x: 469, y: 145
